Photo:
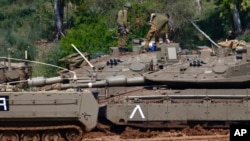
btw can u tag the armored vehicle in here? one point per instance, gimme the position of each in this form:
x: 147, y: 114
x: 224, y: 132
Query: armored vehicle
x: 30, y: 114
x: 166, y: 87
x: 162, y: 88
x: 46, y: 116
x: 226, y: 68
x: 171, y: 88
x: 14, y: 72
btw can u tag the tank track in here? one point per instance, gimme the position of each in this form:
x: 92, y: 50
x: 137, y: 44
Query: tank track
x: 42, y: 133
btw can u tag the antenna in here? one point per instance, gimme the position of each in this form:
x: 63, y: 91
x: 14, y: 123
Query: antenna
x: 203, y: 33
x: 83, y: 56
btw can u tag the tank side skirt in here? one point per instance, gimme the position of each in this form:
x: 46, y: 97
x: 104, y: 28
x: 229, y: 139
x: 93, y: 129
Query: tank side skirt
x: 182, y: 107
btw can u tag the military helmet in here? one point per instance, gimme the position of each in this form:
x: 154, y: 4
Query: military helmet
x: 128, y: 5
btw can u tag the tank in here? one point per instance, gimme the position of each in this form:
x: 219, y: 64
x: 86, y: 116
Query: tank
x: 163, y: 88
x: 166, y: 87
x: 31, y: 114
x: 223, y: 68
x: 170, y: 88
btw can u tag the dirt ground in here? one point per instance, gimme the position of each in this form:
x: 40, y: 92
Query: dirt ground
x: 187, y: 134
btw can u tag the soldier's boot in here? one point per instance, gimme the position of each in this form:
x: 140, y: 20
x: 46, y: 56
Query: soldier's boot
x: 122, y: 50
x: 144, y: 50
x: 146, y: 47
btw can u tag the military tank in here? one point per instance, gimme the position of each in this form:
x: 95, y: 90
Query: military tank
x: 226, y: 68
x: 180, y: 90
x: 163, y: 88
x: 168, y: 88
x: 30, y: 114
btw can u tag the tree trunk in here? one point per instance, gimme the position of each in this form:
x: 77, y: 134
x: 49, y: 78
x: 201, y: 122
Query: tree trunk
x: 236, y: 21
x: 199, y: 7
x: 58, y: 6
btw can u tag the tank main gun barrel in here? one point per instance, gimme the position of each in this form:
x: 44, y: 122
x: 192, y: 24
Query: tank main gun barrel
x: 112, y: 81
x: 41, y: 81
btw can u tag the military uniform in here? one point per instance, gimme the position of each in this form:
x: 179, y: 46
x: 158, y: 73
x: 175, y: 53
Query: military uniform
x: 158, y: 24
x: 122, y: 25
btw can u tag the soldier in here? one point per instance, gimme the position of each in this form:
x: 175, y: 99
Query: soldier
x: 159, y: 23
x: 123, y: 26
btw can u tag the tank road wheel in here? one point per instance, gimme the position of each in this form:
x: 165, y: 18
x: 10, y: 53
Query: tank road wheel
x: 72, y: 135
x: 30, y: 136
x: 9, y: 136
x: 51, y: 136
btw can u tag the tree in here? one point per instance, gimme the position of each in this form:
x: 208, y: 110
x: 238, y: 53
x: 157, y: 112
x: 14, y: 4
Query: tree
x: 231, y: 13
x: 22, y: 24
x: 199, y: 6
x: 58, y: 6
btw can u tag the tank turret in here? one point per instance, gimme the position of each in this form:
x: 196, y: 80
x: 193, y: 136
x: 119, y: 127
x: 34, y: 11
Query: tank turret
x: 225, y: 68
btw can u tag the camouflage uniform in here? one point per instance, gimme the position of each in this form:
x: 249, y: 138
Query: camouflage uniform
x: 158, y: 24
x: 122, y: 24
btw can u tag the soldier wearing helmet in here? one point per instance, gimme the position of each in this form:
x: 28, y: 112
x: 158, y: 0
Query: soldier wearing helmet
x: 158, y: 23
x: 122, y: 24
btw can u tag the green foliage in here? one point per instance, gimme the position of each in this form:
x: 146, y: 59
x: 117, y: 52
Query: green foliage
x: 226, y: 8
x: 93, y: 24
x: 207, y: 20
x: 21, y: 25
x: 245, y: 36
x: 92, y: 38
x: 245, y: 5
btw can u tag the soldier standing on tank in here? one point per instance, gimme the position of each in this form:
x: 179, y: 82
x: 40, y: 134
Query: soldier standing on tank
x: 158, y: 23
x: 122, y: 24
